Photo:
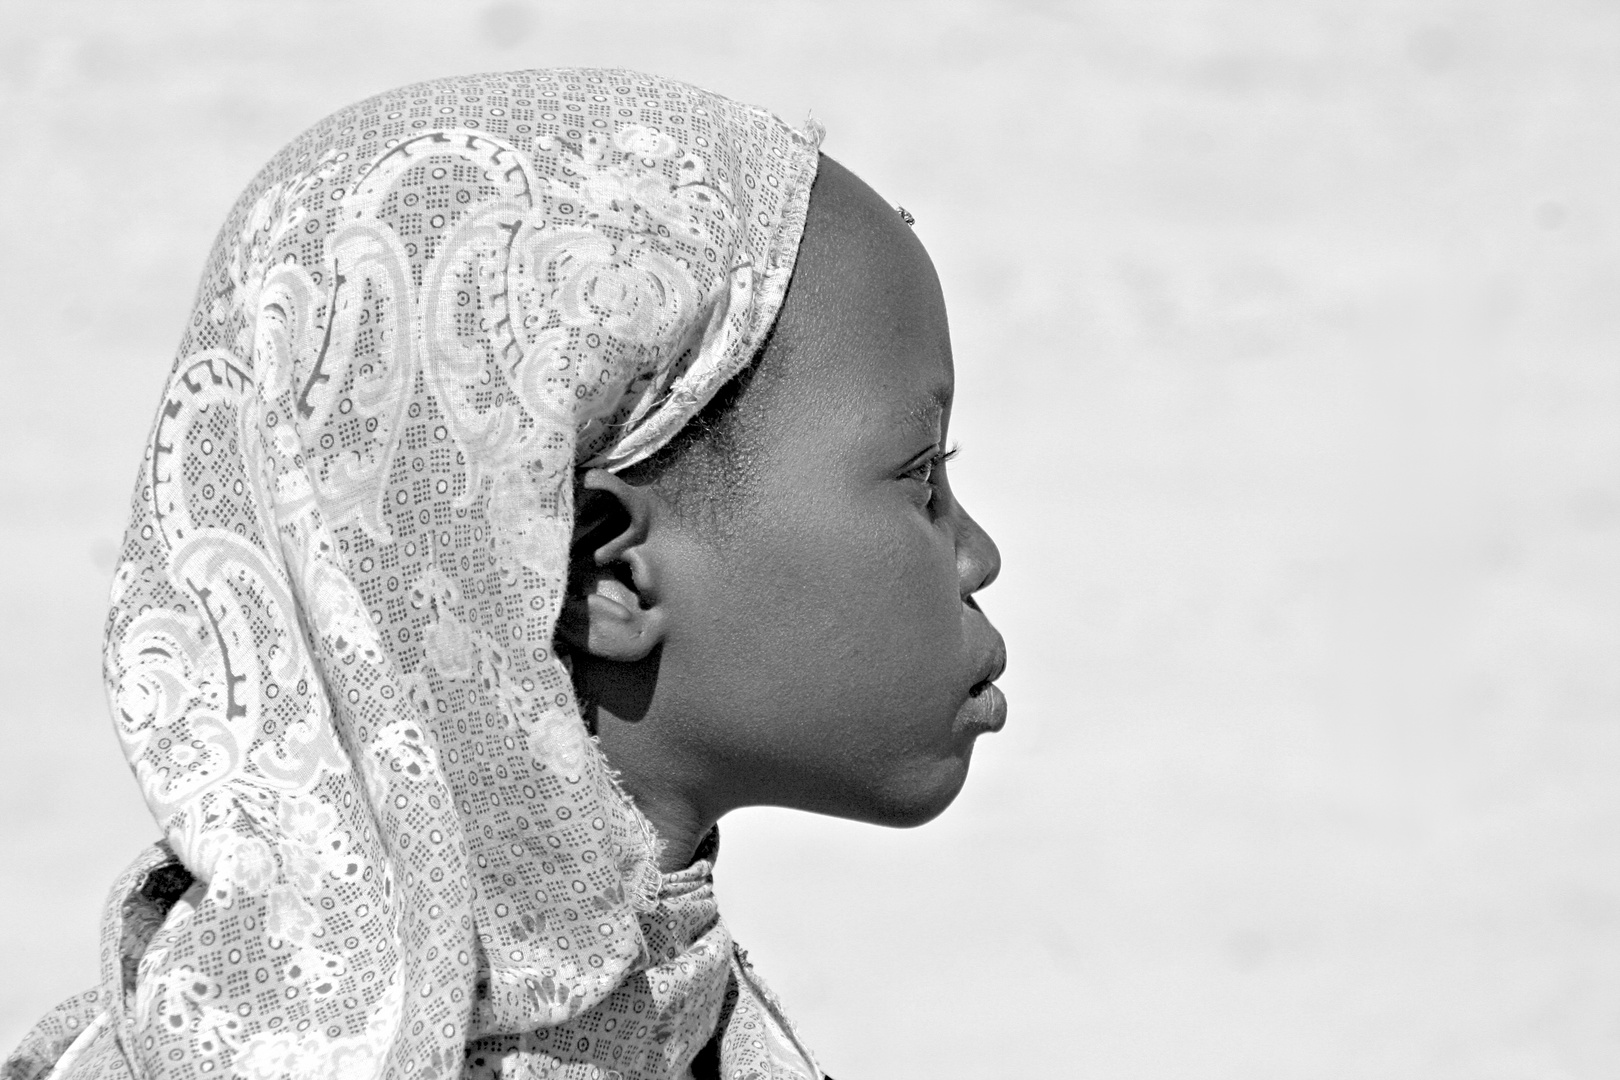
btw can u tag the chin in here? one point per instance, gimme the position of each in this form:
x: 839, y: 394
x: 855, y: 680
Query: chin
x: 920, y: 794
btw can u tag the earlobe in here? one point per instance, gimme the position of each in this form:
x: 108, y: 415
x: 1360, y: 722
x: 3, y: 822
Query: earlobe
x: 611, y: 609
x: 607, y: 620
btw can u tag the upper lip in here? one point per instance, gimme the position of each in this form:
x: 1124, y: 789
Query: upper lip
x: 994, y: 666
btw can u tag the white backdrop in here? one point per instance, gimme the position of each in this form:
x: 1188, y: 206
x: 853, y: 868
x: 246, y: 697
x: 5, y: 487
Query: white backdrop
x: 1289, y: 382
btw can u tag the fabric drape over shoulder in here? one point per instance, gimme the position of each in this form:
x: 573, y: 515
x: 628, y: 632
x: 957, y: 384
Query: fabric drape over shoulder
x: 392, y: 849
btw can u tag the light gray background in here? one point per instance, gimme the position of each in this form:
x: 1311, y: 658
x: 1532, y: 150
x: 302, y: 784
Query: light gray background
x: 1289, y: 384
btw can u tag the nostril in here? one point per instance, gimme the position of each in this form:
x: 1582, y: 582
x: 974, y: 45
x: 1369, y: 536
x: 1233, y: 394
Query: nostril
x: 970, y: 602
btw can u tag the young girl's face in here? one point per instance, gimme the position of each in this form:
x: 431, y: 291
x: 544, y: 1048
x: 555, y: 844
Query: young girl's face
x: 822, y: 647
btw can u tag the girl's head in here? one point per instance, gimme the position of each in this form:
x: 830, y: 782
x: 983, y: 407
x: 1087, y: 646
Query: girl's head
x: 780, y: 609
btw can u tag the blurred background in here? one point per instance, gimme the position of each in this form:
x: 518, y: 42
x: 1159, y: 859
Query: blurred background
x: 1288, y: 345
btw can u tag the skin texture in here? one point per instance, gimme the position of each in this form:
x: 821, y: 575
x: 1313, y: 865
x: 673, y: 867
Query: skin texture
x: 812, y: 641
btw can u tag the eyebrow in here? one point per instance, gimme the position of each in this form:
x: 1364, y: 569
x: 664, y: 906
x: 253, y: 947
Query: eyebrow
x: 926, y: 411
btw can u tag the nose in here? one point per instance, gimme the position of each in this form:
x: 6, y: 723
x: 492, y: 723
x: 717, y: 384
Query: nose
x: 978, y: 560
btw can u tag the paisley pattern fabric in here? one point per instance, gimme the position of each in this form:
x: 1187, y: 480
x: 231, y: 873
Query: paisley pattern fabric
x: 329, y: 651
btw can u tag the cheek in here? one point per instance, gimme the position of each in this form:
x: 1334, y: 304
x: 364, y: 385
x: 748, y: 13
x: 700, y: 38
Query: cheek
x: 826, y: 660
x: 865, y: 605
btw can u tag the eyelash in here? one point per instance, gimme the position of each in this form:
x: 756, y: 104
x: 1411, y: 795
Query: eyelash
x: 924, y: 470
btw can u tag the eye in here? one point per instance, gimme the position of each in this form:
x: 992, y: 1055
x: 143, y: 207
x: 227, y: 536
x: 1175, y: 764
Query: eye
x: 926, y: 471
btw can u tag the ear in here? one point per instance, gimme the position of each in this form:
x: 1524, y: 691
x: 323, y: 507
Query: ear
x: 611, y: 608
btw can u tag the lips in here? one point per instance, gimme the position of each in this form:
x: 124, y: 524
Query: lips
x: 986, y: 708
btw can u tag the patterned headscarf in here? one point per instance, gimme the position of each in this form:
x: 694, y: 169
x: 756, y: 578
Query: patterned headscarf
x: 329, y: 652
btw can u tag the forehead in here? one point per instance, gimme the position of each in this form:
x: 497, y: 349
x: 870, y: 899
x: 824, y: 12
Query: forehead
x: 864, y: 323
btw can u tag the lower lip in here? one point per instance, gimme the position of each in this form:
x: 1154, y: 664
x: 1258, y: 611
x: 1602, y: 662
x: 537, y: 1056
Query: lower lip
x: 982, y: 712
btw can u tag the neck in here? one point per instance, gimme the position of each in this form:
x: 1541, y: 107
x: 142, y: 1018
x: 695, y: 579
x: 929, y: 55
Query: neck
x: 652, y: 767
x: 674, y: 819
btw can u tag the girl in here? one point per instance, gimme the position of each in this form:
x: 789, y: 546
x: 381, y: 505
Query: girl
x: 497, y: 426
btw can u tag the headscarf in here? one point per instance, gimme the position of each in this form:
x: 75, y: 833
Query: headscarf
x: 329, y: 652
